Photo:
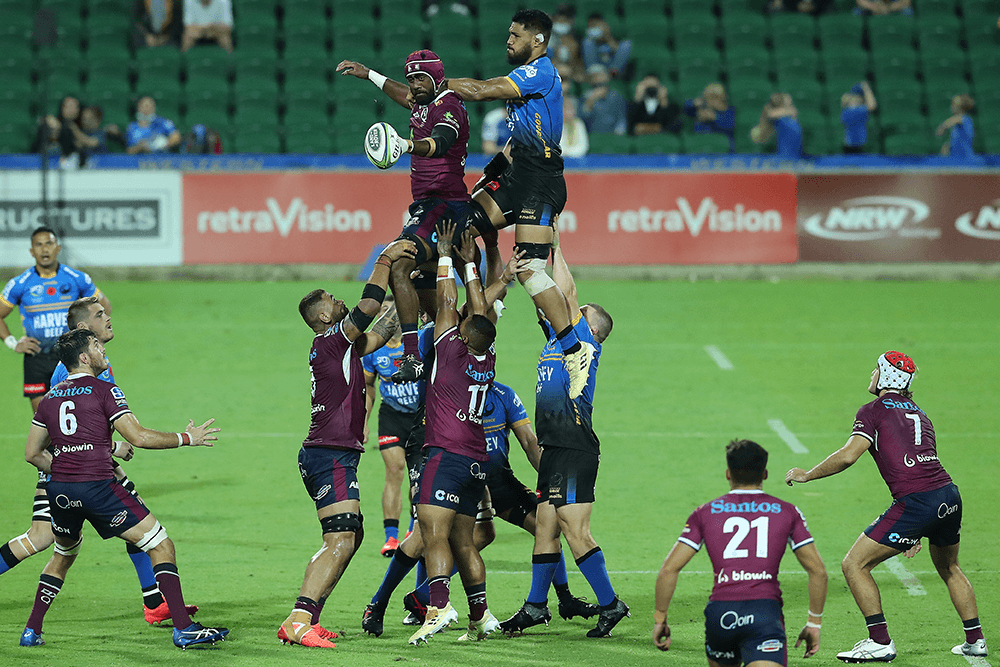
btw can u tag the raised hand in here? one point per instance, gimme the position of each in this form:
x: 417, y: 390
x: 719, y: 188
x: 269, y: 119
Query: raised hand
x: 202, y: 435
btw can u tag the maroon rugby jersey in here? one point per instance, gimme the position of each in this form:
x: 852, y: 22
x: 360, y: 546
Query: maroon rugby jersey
x: 338, y: 392
x: 440, y: 177
x: 745, y: 532
x: 456, y: 396
x: 79, y: 414
x: 903, y: 444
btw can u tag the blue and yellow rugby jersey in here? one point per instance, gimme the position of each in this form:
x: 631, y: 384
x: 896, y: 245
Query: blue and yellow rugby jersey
x: 43, y: 302
x: 504, y: 411
x: 536, y: 118
x: 60, y: 374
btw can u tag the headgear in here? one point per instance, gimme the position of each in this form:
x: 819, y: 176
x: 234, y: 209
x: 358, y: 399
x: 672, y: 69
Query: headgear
x: 895, y: 371
x: 426, y: 62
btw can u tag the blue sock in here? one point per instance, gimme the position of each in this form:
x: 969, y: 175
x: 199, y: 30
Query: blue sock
x: 568, y: 342
x: 543, y: 567
x: 413, y: 520
x: 143, y: 568
x: 592, y: 566
x: 423, y: 589
x: 399, y: 567
x: 560, y: 578
x: 391, y: 528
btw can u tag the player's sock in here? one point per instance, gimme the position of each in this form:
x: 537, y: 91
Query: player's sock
x: 391, y: 527
x: 413, y: 520
x: 422, y: 591
x: 477, y: 601
x: 568, y: 341
x: 170, y: 588
x: 878, y: 629
x: 309, y: 606
x: 543, y: 567
x: 399, y: 566
x: 560, y: 580
x: 592, y: 566
x: 319, y: 610
x: 410, y: 339
x: 48, y: 588
x: 7, y: 558
x: 440, y: 588
x: 973, y: 630
x: 151, y: 597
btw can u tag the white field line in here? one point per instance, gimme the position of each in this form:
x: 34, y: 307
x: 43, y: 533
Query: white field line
x: 976, y: 661
x: 719, y: 358
x: 793, y: 443
x: 912, y: 584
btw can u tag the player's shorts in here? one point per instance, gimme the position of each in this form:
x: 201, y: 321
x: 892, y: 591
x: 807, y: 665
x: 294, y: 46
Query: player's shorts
x: 508, y: 494
x: 106, y: 504
x: 738, y: 633
x: 38, y: 369
x: 330, y: 475
x: 394, y: 427
x: 425, y: 214
x: 528, y: 198
x: 567, y: 476
x: 452, y: 481
x: 936, y: 515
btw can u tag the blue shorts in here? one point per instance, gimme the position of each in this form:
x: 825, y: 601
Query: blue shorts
x: 330, y: 475
x: 744, y: 631
x: 451, y: 481
x: 567, y: 476
x: 106, y: 504
x: 936, y: 515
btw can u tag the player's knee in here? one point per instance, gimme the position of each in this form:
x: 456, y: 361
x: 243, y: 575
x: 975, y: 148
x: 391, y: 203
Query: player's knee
x: 39, y: 537
x: 71, y: 550
x: 155, y: 538
x: 537, y: 281
x: 345, y: 522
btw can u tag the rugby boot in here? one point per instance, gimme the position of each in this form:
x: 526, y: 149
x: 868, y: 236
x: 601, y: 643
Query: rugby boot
x: 530, y: 614
x: 162, y: 613
x: 479, y: 630
x: 372, y: 620
x: 976, y: 648
x: 31, y: 638
x: 412, y: 619
x: 609, y: 618
x: 389, y: 548
x: 196, y: 634
x: 315, y: 637
x: 570, y: 607
x: 411, y: 369
x: 578, y: 367
x: 436, y: 621
x: 416, y: 608
x: 869, y: 650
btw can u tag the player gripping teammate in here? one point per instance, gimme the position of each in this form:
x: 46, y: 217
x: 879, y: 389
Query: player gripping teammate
x: 439, y: 138
x: 745, y: 533
x: 524, y: 185
x: 70, y: 439
x: 43, y: 294
x: 926, y: 503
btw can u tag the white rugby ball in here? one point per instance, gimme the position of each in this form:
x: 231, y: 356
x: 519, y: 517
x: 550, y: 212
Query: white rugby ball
x: 382, y: 145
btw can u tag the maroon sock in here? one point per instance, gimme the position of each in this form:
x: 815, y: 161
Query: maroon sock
x: 318, y: 611
x: 309, y: 606
x: 169, y: 583
x: 973, y: 630
x: 411, y: 343
x: 878, y: 629
x: 48, y: 587
x: 477, y: 601
x: 440, y: 588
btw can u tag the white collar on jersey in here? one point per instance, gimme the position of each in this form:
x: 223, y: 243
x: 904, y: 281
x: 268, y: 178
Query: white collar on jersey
x: 77, y: 375
x: 747, y: 491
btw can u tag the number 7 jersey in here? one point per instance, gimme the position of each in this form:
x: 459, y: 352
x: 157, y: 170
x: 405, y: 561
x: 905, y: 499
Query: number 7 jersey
x: 745, y: 533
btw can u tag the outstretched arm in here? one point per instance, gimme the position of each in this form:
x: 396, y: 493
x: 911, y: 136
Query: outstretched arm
x: 384, y: 328
x: 809, y: 557
x: 373, y: 295
x: 474, y: 90
x: 473, y: 283
x: 666, y: 584
x: 447, y: 292
x: 394, y: 89
x: 147, y: 438
x: 563, y: 277
x: 840, y: 460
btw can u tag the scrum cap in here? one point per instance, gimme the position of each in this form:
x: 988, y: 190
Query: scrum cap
x: 895, y: 371
x: 426, y: 62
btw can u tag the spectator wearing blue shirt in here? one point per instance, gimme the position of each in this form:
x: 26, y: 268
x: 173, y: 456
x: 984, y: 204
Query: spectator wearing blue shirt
x: 713, y: 113
x: 857, y: 104
x: 603, y: 109
x: 780, y: 119
x: 496, y: 131
x: 601, y: 48
x: 960, y: 142
x: 150, y: 133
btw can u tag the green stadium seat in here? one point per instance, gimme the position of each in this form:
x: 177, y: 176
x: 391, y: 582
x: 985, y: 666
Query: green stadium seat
x: 985, y: 70
x: 653, y: 28
x: 161, y: 61
x: 898, y: 65
x: 301, y: 49
x: 899, y: 97
x: 982, y: 37
x: 362, y: 19
x: 941, y: 71
x: 752, y: 28
x: 209, y: 61
x: 752, y: 66
x: 401, y: 12
x: 208, y: 115
x: 793, y: 27
x: 256, y: 142
x: 312, y: 33
x: 791, y: 44
x: 694, y: 36
x: 840, y: 30
x: 659, y: 144
x: 938, y: 40
x: 698, y: 70
x: 311, y: 115
x: 794, y: 66
x: 308, y: 140
x: 711, y: 143
x: 652, y: 58
x: 910, y: 140
x: 261, y: 63
x: 307, y: 13
x: 611, y: 144
x: 253, y: 38
x: 808, y: 94
x: 887, y: 33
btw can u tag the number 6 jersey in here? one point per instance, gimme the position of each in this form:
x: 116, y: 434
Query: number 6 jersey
x: 745, y: 532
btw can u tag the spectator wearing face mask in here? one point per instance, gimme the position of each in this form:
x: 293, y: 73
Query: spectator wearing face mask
x: 651, y: 111
x: 713, y: 113
x: 603, y: 108
x: 601, y: 48
x: 150, y: 133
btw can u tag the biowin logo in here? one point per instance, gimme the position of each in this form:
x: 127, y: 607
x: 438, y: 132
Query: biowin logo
x: 872, y: 218
x: 982, y: 225
x: 283, y: 220
x: 708, y: 216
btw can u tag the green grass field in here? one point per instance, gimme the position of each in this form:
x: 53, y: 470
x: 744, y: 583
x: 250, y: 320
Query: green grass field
x: 801, y: 351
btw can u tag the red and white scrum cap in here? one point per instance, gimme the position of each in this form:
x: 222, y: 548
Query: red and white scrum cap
x: 895, y: 371
x: 426, y: 62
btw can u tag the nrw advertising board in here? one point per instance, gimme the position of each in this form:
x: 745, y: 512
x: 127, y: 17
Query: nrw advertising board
x: 610, y: 218
x: 103, y: 218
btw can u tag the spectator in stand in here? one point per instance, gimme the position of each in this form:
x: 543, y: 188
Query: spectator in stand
x: 780, y: 118
x: 960, y: 123
x: 92, y: 137
x: 57, y: 132
x: 495, y: 131
x: 562, y: 25
x: 210, y: 20
x: 156, y: 23
x: 574, y: 142
x: 202, y: 140
x: 566, y: 58
x: 604, y: 108
x: 150, y: 133
x: 651, y: 111
x: 883, y: 7
x: 857, y: 104
x: 713, y: 113
x: 601, y: 48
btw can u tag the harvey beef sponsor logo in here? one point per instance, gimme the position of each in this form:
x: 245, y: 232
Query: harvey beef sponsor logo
x: 84, y: 218
x: 872, y: 218
x: 984, y: 224
x: 283, y: 219
x: 707, y: 216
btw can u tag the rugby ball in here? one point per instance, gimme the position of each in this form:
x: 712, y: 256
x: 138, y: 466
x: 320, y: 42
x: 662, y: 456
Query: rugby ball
x: 382, y: 145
